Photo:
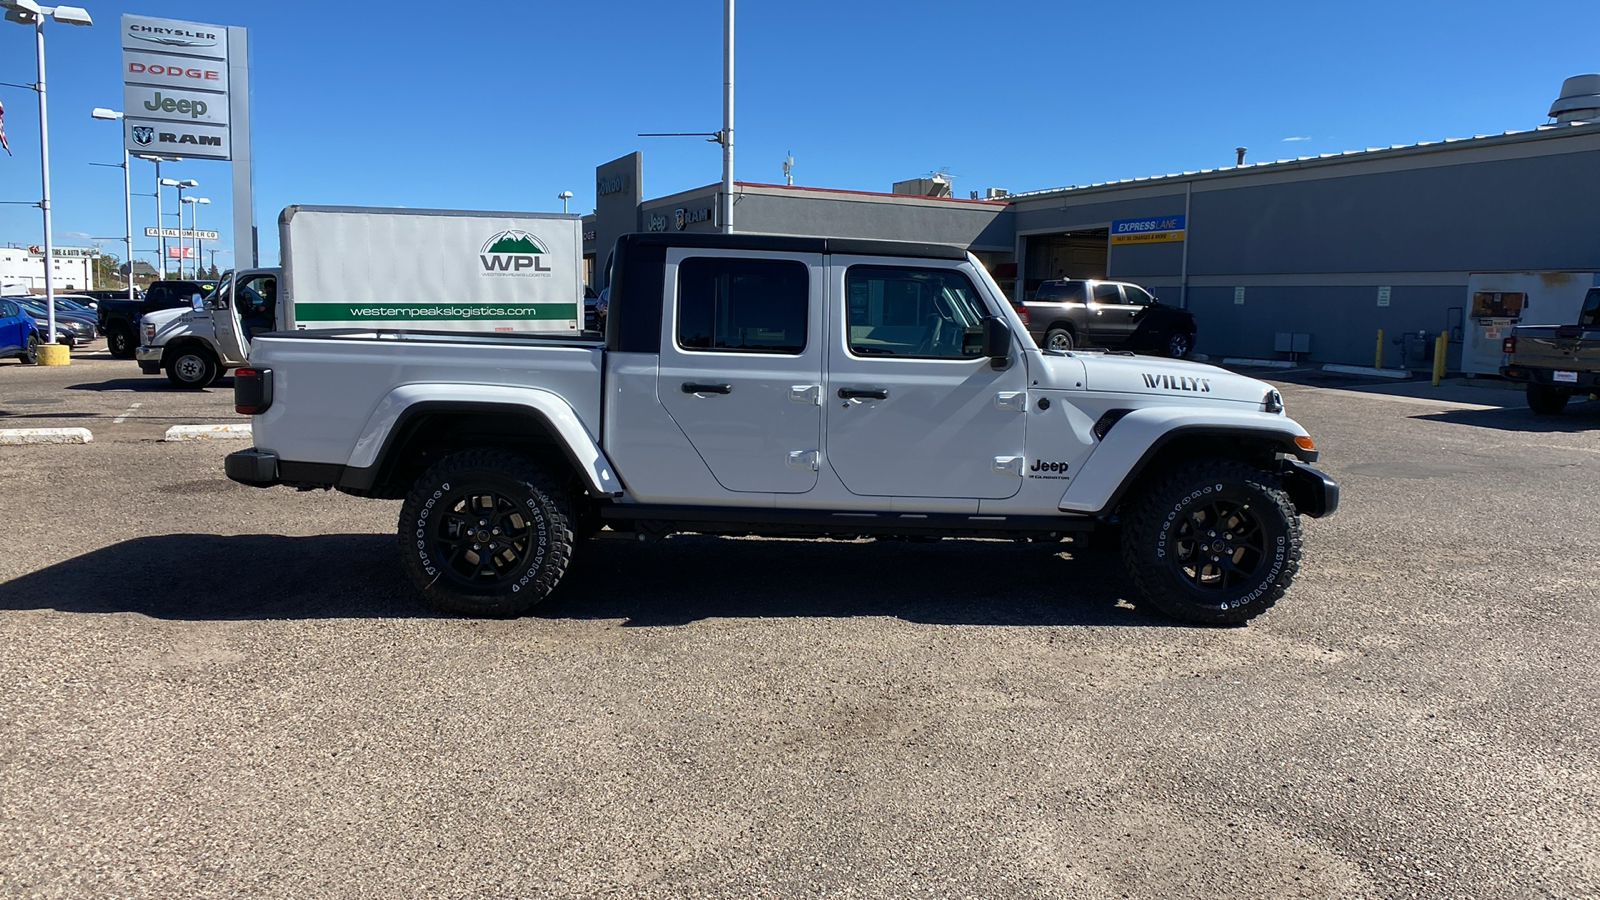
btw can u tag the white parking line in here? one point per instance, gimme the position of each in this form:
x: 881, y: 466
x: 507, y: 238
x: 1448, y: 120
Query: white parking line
x: 208, y: 432
x: 15, y: 436
x: 125, y: 414
x: 1417, y: 401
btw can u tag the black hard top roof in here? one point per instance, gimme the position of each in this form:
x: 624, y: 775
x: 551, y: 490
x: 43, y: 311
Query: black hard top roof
x: 788, y: 244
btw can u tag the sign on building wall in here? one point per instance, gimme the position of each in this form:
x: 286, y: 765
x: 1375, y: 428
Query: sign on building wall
x: 202, y: 234
x: 175, y: 88
x: 1151, y: 230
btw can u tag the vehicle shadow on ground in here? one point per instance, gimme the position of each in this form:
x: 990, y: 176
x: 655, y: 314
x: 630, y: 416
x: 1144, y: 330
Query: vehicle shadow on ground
x: 146, y: 384
x: 1575, y: 418
x: 675, y: 582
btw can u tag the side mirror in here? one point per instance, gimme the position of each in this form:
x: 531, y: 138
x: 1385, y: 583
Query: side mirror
x: 997, y: 341
x: 196, y: 301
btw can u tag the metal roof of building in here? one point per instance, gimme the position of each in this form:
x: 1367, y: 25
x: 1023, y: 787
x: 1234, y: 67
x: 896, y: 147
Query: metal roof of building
x: 1480, y: 140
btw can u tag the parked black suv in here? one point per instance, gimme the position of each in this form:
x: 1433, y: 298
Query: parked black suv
x: 1114, y: 314
x: 119, y: 319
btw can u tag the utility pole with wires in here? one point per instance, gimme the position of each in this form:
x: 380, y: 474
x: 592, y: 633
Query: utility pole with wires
x: 725, y: 136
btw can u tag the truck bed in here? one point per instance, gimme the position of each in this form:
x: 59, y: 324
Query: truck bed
x: 340, y: 386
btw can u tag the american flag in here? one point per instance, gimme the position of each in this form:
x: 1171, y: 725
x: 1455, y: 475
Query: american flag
x: 3, y: 129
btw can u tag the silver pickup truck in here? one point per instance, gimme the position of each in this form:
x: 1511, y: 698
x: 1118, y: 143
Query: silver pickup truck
x: 786, y: 386
x: 1556, y: 361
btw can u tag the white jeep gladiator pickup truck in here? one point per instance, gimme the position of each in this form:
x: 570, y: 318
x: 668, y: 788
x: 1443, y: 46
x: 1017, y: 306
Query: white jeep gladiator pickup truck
x: 786, y: 386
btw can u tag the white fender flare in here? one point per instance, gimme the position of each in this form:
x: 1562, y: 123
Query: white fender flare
x: 580, y: 446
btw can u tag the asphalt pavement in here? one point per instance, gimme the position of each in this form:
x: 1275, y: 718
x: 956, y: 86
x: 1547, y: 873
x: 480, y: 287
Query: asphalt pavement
x: 211, y: 690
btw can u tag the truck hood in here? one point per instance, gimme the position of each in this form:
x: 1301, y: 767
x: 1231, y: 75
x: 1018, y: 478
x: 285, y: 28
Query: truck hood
x: 164, y: 320
x: 1157, y: 376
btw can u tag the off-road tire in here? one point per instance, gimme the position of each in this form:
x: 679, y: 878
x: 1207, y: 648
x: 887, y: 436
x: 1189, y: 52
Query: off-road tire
x: 30, y: 351
x: 1177, y: 344
x: 1059, y: 339
x: 120, y: 343
x: 191, y: 368
x: 1170, y: 568
x: 1545, y: 400
x: 437, y: 544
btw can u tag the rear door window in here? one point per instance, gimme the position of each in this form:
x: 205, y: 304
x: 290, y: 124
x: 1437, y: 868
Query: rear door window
x: 1107, y: 293
x: 743, y: 305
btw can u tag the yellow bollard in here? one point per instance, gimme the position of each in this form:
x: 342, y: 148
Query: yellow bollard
x: 54, y: 355
x: 1377, y: 356
x: 1441, y: 348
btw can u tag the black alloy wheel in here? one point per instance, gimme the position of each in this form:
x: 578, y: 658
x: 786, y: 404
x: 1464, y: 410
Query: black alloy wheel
x: 30, y: 352
x: 1178, y: 344
x: 1213, y: 541
x: 485, y: 533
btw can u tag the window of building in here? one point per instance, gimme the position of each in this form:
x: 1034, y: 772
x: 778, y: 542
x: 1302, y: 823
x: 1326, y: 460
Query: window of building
x: 926, y: 313
x: 743, y: 305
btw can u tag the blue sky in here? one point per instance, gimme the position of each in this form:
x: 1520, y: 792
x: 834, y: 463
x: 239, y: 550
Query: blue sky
x: 502, y: 105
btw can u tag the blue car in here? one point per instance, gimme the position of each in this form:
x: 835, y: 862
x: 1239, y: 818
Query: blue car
x: 19, y: 337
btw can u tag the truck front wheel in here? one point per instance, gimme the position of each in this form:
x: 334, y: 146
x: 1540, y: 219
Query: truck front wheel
x: 1546, y: 400
x: 486, y: 533
x: 1214, y: 541
x: 119, y: 340
x: 191, y: 367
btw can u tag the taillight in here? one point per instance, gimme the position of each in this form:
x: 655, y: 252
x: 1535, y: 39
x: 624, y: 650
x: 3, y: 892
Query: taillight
x: 1022, y: 313
x: 1509, y: 345
x: 252, y: 391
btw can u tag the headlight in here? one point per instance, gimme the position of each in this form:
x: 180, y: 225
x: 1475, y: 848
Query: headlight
x: 149, y: 333
x: 1272, y: 403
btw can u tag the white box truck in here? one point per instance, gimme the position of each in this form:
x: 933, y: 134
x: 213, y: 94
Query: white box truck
x: 414, y: 270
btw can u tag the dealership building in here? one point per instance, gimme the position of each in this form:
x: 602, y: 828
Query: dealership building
x: 22, y: 268
x: 1305, y: 257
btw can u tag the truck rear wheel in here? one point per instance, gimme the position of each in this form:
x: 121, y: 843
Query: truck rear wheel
x: 1546, y: 400
x: 1215, y: 542
x: 486, y: 533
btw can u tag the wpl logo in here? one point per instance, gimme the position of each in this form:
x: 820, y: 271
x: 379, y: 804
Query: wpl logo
x: 513, y: 253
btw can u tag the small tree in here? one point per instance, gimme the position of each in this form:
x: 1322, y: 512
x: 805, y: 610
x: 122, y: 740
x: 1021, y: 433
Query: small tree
x: 107, y: 271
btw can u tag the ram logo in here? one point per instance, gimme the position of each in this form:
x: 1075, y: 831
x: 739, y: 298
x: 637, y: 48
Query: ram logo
x: 143, y: 134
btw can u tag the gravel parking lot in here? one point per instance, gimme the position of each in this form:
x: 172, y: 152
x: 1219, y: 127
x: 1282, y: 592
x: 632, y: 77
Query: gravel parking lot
x: 211, y: 690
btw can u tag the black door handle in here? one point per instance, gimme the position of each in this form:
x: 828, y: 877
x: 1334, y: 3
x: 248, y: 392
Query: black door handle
x: 863, y: 393
x: 695, y: 387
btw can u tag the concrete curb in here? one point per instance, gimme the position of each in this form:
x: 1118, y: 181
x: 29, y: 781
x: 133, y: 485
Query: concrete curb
x: 11, y: 437
x: 1366, y: 370
x: 208, y: 432
x: 1259, y: 363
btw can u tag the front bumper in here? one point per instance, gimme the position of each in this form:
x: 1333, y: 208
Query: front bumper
x: 1313, y: 493
x: 149, y: 359
x: 256, y: 468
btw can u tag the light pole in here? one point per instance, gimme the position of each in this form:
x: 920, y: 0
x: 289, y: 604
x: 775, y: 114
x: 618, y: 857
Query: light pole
x: 161, y: 242
x: 112, y: 115
x: 194, y: 227
x: 564, y: 196
x: 162, y: 251
x: 727, y: 117
x: 186, y: 183
x: 27, y: 12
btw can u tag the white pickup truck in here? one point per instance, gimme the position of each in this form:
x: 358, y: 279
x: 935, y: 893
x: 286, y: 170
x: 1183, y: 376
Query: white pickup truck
x: 786, y: 386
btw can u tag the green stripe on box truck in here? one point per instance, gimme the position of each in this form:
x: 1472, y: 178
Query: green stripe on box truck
x: 405, y: 312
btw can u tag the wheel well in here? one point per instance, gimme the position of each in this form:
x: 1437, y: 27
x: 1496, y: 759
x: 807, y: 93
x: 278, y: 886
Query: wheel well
x: 1063, y: 324
x: 1253, y: 449
x: 427, y: 436
x: 179, y: 346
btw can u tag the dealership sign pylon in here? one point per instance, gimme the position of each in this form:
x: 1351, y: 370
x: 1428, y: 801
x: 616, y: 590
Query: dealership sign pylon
x: 186, y: 93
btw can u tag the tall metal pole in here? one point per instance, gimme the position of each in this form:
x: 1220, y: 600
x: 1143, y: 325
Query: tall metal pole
x: 727, y: 117
x: 44, y: 179
x: 127, y: 211
x: 161, y: 237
